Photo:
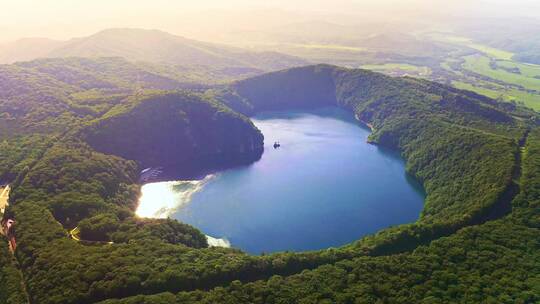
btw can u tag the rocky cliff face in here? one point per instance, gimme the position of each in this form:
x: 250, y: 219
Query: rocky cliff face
x: 177, y: 129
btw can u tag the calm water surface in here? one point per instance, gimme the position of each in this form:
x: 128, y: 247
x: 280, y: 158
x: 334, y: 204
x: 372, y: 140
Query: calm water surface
x: 325, y: 186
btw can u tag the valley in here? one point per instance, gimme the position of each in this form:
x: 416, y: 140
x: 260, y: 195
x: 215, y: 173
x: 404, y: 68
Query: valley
x: 462, y: 147
x: 441, y: 56
x: 444, y: 57
x: 325, y: 183
x: 308, y: 152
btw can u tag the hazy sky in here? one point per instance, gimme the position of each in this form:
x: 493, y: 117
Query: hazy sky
x: 62, y: 19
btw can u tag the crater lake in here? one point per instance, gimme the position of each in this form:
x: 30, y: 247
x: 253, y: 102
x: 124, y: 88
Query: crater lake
x: 325, y: 186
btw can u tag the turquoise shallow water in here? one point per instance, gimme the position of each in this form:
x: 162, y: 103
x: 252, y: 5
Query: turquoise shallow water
x: 324, y: 187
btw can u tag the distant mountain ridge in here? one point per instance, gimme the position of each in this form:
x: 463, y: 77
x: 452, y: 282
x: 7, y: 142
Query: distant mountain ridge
x: 27, y: 49
x: 150, y: 46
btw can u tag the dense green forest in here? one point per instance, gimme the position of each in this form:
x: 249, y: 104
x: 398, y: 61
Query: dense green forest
x: 477, y: 239
x: 497, y: 262
x: 11, y: 287
x: 202, y: 130
x: 52, y: 95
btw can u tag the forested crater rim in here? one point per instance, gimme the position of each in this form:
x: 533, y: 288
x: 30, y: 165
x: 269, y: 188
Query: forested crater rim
x: 462, y: 146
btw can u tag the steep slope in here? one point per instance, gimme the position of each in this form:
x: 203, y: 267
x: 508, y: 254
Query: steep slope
x: 168, y: 129
x: 363, y: 92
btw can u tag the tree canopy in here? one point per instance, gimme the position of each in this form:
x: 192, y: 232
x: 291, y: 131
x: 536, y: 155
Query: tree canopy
x: 477, y: 239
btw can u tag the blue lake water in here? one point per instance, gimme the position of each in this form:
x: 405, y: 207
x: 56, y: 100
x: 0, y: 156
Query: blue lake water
x: 324, y: 187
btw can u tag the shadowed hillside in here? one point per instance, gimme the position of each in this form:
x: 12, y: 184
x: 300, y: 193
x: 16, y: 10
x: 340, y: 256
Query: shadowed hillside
x: 172, y: 129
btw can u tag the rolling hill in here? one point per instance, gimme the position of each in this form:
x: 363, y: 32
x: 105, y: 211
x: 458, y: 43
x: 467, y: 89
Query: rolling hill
x: 477, y: 239
x: 27, y: 49
x: 149, y: 46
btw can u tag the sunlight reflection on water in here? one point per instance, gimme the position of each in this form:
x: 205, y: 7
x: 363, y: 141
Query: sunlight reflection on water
x: 160, y: 200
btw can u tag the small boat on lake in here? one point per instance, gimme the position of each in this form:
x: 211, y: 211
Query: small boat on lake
x: 277, y: 145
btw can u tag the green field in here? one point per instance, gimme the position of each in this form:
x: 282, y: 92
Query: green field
x: 495, y: 65
x: 328, y: 47
x: 480, y: 90
x: 480, y: 65
x: 399, y: 68
x: 528, y: 99
x: 492, y: 52
x: 464, y: 41
x: 529, y: 70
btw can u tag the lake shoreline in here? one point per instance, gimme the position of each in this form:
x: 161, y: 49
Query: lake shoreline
x: 259, y: 204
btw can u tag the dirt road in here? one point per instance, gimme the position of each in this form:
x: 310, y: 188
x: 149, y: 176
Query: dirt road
x: 4, y: 195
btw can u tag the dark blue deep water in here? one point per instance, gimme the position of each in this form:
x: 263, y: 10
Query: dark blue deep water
x: 324, y: 187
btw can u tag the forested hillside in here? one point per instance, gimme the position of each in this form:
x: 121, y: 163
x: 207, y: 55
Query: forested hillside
x: 447, y: 136
x: 477, y: 239
x: 497, y: 262
x: 11, y: 287
x: 50, y: 95
x: 168, y: 129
